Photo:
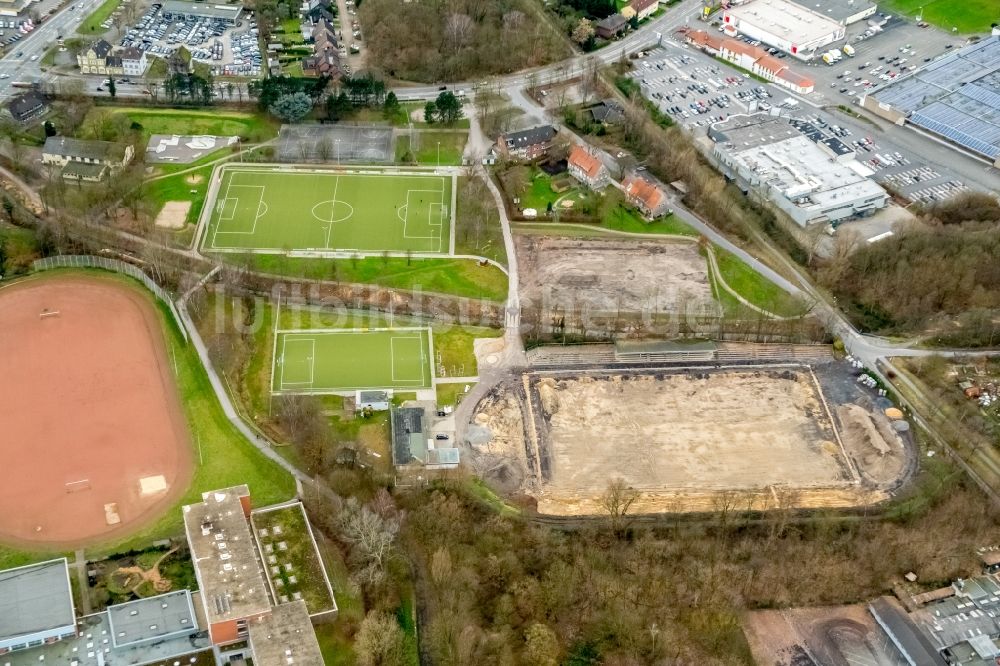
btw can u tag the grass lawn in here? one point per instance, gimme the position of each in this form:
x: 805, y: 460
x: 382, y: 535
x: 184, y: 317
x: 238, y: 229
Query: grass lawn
x: 451, y: 144
x: 325, y: 361
x: 450, y: 394
x: 540, y: 194
x: 92, y: 24
x: 250, y: 126
x: 623, y: 218
x: 755, y: 288
x: 223, y: 457
x: 966, y: 15
x: 293, y: 68
x: 191, y: 186
x: 324, y: 210
x: 292, y: 560
x: 458, y: 277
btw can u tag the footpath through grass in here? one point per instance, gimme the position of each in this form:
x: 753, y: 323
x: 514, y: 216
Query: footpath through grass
x: 755, y: 288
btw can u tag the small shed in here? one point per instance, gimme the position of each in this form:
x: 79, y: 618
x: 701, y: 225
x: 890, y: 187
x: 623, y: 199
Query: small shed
x: 375, y: 400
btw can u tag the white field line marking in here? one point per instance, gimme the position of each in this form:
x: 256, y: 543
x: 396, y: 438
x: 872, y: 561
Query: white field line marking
x: 392, y: 354
x: 311, y: 358
x: 333, y: 209
x: 434, y: 237
x: 218, y: 223
x: 257, y: 211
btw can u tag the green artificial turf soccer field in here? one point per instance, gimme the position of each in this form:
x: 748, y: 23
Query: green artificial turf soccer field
x: 348, y: 360
x: 279, y: 211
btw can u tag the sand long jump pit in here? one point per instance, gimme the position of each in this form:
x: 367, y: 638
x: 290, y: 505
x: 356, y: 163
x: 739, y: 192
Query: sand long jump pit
x: 687, y: 440
x: 94, y: 440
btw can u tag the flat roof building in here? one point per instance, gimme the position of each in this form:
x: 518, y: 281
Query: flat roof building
x: 783, y: 24
x: 957, y: 97
x: 224, y: 553
x: 769, y: 155
x: 153, y: 619
x: 844, y: 12
x: 286, y: 638
x: 36, y: 605
x: 228, y: 14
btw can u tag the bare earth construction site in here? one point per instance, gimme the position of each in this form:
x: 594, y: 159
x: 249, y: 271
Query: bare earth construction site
x: 687, y: 439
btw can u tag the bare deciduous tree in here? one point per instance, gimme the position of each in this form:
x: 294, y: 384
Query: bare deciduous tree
x: 617, y: 500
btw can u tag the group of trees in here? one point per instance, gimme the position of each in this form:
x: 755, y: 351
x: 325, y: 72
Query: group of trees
x: 501, y: 590
x: 446, y: 109
x: 946, y: 264
x: 453, y: 40
x: 190, y: 88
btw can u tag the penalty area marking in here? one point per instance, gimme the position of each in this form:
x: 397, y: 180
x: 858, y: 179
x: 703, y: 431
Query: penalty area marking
x: 392, y: 354
x: 311, y: 358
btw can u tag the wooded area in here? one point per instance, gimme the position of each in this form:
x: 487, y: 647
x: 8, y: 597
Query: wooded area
x: 946, y: 265
x: 454, y: 40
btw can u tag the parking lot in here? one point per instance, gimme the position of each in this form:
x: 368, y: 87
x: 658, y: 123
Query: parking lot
x: 695, y: 90
x: 898, y: 47
x: 230, y: 51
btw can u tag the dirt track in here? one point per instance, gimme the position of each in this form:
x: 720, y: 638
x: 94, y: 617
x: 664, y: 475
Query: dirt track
x: 87, y: 394
x: 606, y: 276
x: 688, y: 440
x: 736, y: 430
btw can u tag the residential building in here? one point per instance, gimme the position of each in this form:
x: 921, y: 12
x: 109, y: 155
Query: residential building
x: 180, y: 10
x: 606, y: 112
x: 98, y: 59
x: 232, y: 587
x: 63, y: 150
x: 36, y: 605
x: 587, y: 168
x: 783, y: 24
x: 648, y: 197
x: 313, y: 11
x: 325, y: 59
x: 640, y: 9
x: 526, y: 145
x: 769, y: 156
x: 27, y: 106
x: 611, y: 27
x: 134, y: 61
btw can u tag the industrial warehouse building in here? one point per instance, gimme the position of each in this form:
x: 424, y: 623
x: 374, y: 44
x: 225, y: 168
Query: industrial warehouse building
x: 186, y: 9
x: 956, y: 97
x: 783, y: 24
x: 811, y: 180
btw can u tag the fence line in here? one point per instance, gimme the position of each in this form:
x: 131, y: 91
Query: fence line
x: 116, y: 266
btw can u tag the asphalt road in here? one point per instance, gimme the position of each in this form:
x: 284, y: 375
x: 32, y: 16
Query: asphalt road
x: 22, y: 67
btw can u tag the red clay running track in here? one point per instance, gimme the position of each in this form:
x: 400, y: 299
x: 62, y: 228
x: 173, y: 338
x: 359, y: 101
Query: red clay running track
x: 88, y: 394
